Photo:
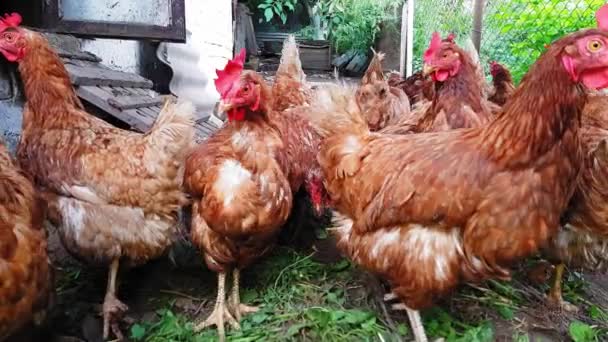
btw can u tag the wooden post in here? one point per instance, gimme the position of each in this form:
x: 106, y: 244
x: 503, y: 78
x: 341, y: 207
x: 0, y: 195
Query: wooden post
x: 477, y: 23
x: 404, y: 38
x: 410, y: 39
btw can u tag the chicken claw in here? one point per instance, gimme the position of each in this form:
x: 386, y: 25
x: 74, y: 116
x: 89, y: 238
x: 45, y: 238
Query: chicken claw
x: 113, y: 309
x: 554, y: 298
x: 238, y: 309
x: 220, y: 312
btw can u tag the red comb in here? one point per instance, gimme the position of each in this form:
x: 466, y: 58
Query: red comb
x: 602, y: 17
x: 10, y: 20
x: 450, y: 38
x: 493, y: 63
x: 227, y: 77
x: 433, y: 46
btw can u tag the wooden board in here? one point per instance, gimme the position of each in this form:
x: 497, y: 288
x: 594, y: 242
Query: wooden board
x: 100, y: 76
x: 99, y: 97
x: 134, y: 102
x: 140, y: 119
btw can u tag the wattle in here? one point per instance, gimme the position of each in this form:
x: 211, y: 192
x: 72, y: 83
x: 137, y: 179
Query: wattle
x: 441, y: 75
x: 236, y: 114
x: 595, y: 79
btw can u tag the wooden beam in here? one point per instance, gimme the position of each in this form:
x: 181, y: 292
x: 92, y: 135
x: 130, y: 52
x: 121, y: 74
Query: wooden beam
x: 409, y: 64
x: 403, y: 39
x: 134, y: 101
x: 98, y: 76
x: 477, y: 23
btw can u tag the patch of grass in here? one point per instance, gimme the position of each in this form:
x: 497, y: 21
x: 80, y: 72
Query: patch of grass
x: 581, y: 332
x: 499, y: 295
x: 69, y: 279
x: 440, y: 323
x: 573, y: 288
x: 300, y: 299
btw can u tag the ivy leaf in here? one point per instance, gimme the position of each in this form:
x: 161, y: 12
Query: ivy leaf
x: 138, y: 332
x: 283, y: 18
x: 268, y: 14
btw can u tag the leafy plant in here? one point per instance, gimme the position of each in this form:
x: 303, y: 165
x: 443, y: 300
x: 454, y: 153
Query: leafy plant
x: 581, y: 332
x: 354, y: 24
x: 277, y: 8
x: 444, y: 16
x: 516, y: 31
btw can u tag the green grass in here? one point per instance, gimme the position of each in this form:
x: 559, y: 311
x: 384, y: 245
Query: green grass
x: 302, y: 300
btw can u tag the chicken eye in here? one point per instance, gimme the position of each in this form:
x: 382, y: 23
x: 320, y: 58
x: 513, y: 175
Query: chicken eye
x: 246, y: 88
x: 9, y: 37
x: 594, y: 45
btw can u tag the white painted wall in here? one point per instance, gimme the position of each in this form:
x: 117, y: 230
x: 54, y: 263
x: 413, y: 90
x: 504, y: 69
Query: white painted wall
x: 210, y: 24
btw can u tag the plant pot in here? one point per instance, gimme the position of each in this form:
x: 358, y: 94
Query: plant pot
x: 315, y: 54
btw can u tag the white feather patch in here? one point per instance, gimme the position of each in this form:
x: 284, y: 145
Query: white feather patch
x: 232, y: 176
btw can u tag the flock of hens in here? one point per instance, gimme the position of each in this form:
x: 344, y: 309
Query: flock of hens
x: 432, y: 181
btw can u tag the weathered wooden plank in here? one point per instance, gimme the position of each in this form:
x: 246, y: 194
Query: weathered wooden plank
x: 342, y: 60
x: 145, y: 118
x: 98, y: 76
x: 99, y: 98
x: 134, y: 101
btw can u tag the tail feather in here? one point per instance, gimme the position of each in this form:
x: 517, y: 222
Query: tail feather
x: 335, y: 111
x: 374, y: 70
x: 173, y: 131
x: 290, y: 61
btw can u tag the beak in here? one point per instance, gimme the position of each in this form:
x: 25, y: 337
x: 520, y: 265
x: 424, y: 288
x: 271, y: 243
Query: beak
x: 318, y: 209
x: 224, y: 107
x: 427, y: 69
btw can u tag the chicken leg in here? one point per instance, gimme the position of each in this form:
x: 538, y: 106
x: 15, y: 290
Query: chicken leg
x: 238, y: 309
x: 112, y: 307
x: 415, y: 322
x: 555, y: 294
x: 220, y: 311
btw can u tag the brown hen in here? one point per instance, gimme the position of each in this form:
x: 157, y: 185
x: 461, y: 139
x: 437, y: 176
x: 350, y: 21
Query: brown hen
x: 418, y: 87
x: 24, y: 268
x: 582, y: 240
x: 502, y: 82
x: 381, y: 104
x: 113, y: 194
x: 457, y: 97
x: 426, y: 211
x: 243, y: 180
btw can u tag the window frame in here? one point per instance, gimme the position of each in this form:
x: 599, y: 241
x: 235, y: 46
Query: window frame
x: 175, y: 31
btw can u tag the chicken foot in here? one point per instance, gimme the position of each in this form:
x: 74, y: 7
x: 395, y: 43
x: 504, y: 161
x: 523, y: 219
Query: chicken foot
x: 236, y: 307
x: 112, y: 307
x: 555, y: 294
x: 415, y: 322
x: 220, y: 312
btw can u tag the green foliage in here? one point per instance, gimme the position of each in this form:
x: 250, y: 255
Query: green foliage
x: 516, y: 31
x: 299, y: 299
x: 443, y: 16
x: 581, y: 332
x: 439, y: 323
x: 355, y: 24
x: 277, y: 8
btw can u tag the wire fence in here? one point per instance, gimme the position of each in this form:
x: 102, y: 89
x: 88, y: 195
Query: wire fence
x: 514, y: 32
